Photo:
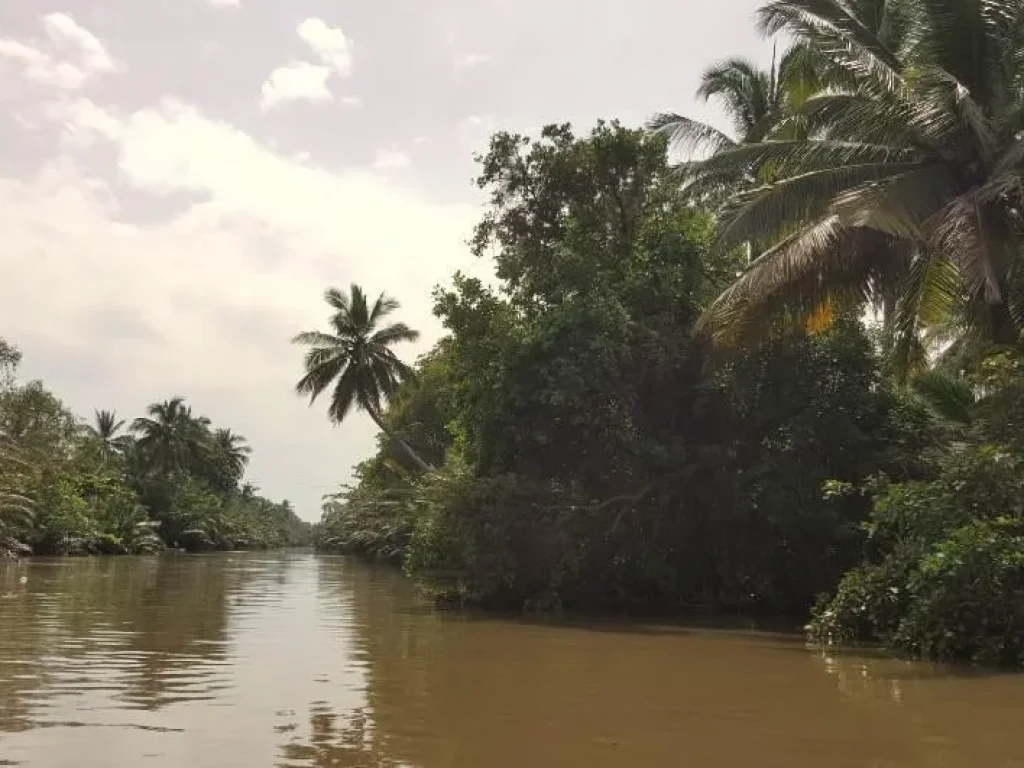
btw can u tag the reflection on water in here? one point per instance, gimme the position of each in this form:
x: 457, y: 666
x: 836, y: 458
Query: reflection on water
x: 296, y: 661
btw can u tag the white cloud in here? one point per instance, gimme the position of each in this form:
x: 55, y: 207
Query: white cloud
x: 67, y: 59
x: 305, y: 81
x: 329, y: 43
x: 353, y: 102
x: 298, y: 81
x: 225, y: 3
x: 216, y: 290
x: 391, y: 159
x: 64, y: 32
x: 472, y: 60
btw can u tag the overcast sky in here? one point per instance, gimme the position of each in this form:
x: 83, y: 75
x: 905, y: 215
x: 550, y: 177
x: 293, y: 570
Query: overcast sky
x: 181, y: 179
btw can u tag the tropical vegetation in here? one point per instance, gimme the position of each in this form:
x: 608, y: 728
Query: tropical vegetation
x: 773, y: 370
x: 107, y: 486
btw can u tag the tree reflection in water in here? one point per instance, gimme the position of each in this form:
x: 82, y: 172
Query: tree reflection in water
x: 349, y: 740
x: 143, y: 633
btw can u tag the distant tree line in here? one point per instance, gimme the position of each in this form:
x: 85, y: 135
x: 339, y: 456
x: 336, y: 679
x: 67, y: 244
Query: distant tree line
x: 166, y: 479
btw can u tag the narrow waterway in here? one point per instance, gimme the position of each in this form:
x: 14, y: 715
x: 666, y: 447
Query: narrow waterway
x: 289, y: 659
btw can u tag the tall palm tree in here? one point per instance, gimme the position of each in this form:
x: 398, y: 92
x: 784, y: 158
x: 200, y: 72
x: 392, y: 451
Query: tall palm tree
x: 912, y: 179
x: 755, y: 101
x: 759, y: 104
x: 355, y: 357
x: 105, y: 431
x: 233, y: 449
x: 170, y: 437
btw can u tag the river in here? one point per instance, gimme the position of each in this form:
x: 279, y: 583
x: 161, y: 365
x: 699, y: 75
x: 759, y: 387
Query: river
x: 293, y: 660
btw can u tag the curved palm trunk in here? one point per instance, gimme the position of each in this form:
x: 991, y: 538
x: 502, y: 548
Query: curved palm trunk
x: 417, y: 459
x: 1004, y: 329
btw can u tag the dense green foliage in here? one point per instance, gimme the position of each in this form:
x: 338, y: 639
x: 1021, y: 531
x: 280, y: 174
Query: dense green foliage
x: 171, y: 480
x: 595, y: 450
x: 903, y: 184
x: 944, y: 575
x: 591, y: 458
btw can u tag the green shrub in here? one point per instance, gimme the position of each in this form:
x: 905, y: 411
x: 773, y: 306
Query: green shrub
x: 498, y: 541
x: 122, y: 525
x: 867, y: 605
x: 945, y: 571
x: 63, y: 525
x: 966, y: 598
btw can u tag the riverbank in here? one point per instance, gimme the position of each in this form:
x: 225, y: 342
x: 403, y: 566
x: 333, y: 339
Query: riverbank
x: 620, y: 424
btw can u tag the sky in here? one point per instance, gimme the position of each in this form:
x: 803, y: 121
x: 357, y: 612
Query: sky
x: 180, y: 180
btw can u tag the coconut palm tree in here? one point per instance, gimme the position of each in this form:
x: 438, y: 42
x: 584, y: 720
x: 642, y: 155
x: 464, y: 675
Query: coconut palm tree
x: 170, y: 437
x: 355, y: 357
x: 105, y: 432
x: 756, y: 101
x: 231, y: 448
x: 910, y: 181
x: 759, y: 104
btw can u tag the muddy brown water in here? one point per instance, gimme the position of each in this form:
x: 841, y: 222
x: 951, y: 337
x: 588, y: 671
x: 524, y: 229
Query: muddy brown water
x: 294, y: 660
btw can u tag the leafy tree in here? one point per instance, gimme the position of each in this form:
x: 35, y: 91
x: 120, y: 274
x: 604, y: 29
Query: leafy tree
x: 593, y: 461
x: 356, y: 358
x: 909, y: 181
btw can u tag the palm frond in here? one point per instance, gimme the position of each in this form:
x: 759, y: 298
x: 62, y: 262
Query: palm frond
x: 393, y: 334
x: 959, y: 41
x: 359, y: 311
x: 903, y: 205
x: 383, y: 306
x: 784, y: 264
x: 829, y: 26
x: 765, y: 211
x: 796, y: 156
x: 338, y: 300
x: 896, y: 121
x: 322, y: 367
x: 948, y: 397
x: 316, y: 338
x: 745, y: 92
x: 925, y: 298
x: 689, y: 136
x: 976, y: 235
